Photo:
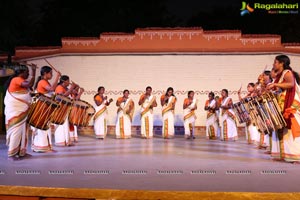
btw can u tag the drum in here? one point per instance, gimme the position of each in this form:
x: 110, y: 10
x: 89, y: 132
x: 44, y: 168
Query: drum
x: 41, y: 112
x: 241, y: 112
x: 265, y: 113
x: 61, y: 113
x: 81, y: 113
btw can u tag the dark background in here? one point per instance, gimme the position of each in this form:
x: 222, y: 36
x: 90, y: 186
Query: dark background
x: 44, y: 22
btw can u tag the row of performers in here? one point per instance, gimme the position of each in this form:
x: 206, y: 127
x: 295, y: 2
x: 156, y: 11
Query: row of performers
x: 17, y: 102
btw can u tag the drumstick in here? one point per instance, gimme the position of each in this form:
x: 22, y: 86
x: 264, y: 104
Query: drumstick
x: 51, y: 65
x: 239, y: 90
x: 72, y: 82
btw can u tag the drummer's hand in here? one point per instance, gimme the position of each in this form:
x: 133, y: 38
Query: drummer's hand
x: 81, y: 90
x: 73, y: 85
x: 239, y: 91
x: 271, y: 86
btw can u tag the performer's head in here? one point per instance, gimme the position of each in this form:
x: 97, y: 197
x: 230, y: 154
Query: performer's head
x: 21, y: 71
x: 170, y: 91
x: 211, y: 95
x: 267, y: 77
x: 282, y: 62
x: 148, y: 90
x: 224, y: 93
x: 250, y: 87
x: 101, y: 90
x: 191, y: 94
x: 126, y: 93
x: 46, y: 72
x: 64, y: 81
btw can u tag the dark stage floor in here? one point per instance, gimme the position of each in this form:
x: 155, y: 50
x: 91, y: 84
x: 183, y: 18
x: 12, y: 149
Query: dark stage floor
x: 157, y: 164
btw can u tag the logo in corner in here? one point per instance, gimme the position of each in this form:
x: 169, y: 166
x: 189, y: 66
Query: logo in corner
x: 246, y: 9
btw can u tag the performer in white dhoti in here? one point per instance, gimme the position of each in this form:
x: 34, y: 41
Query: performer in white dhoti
x: 41, y: 139
x: 124, y: 116
x: 100, y: 121
x: 17, y: 102
x: 189, y: 116
x: 147, y: 102
x: 227, y: 118
x: 168, y: 102
x: 211, y: 117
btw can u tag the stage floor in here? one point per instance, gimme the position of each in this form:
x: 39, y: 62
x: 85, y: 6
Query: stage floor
x: 157, y: 164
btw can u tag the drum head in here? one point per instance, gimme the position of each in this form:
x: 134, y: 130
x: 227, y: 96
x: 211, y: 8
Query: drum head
x: 80, y: 103
x: 63, y: 99
x: 47, y: 100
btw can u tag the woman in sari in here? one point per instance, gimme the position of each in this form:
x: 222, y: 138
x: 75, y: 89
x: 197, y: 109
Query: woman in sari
x: 100, y: 125
x: 168, y: 102
x: 227, y: 118
x: 62, y: 133
x: 286, y: 141
x: 75, y: 95
x: 124, y: 116
x: 211, y: 117
x: 252, y: 134
x: 147, y: 102
x: 17, y: 103
x: 189, y: 116
x: 41, y: 139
